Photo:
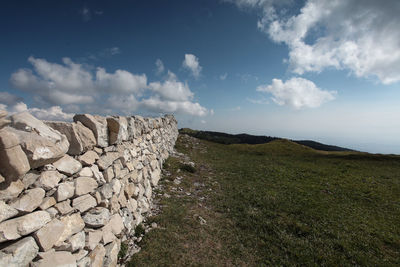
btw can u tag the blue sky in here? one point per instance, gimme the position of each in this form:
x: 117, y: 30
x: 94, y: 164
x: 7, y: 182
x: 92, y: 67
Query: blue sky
x: 316, y: 69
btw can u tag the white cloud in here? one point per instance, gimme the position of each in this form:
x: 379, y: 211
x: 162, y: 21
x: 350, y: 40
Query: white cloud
x: 297, y: 93
x: 203, y: 121
x: 9, y: 99
x: 51, y: 113
x: 121, y: 81
x: 360, y: 36
x: 160, y: 66
x: 223, y: 76
x: 172, y: 89
x: 57, y: 84
x: 75, y: 87
x: 156, y: 104
x: 71, y: 83
x: 192, y: 64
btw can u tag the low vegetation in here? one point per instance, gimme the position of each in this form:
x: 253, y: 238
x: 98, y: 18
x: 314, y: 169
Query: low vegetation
x: 228, y: 139
x: 275, y: 204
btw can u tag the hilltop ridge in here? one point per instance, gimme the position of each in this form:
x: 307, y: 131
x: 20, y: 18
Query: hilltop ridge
x: 225, y: 138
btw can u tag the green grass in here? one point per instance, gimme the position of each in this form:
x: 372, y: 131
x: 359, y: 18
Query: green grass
x: 279, y: 204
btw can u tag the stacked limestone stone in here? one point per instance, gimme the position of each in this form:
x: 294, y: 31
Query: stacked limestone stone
x: 70, y: 192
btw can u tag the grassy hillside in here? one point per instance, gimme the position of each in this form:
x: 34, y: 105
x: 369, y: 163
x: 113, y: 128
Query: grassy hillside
x: 275, y: 204
x: 224, y: 138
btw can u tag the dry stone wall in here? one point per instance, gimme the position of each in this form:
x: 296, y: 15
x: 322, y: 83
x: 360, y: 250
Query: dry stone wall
x: 71, y: 191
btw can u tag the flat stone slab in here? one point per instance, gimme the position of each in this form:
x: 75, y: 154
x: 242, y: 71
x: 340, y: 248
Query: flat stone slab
x: 24, y: 225
x: 83, y: 203
x: 68, y: 165
x: 20, y: 253
x: 84, y: 185
x: 29, y: 201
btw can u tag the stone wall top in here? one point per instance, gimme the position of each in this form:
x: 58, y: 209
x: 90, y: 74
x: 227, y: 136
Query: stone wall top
x: 27, y: 143
x: 71, y: 191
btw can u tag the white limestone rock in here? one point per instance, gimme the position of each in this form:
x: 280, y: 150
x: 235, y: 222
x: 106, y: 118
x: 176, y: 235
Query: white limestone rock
x: 127, y: 218
x: 108, y: 174
x: 6, y: 211
x: 30, y: 178
x: 97, y: 217
x: 41, y: 144
x: 47, y: 203
x: 47, y: 236
x: 93, y: 239
x: 97, y: 124
x: 65, y: 191
x: 116, y: 223
x: 20, y: 253
x: 64, y: 207
x: 57, y: 259
x: 118, y: 129
x: 97, y: 174
x: 84, y: 185
x: 48, y: 179
x: 132, y: 205
x: 111, y: 257
x: 73, y: 224
x: 155, y: 176
x: 29, y: 201
x: 77, y: 241
x: 131, y: 127
x: 15, y: 228
x: 97, y: 256
x: 84, y: 203
x: 79, y: 137
x: 68, y: 165
x: 107, y: 159
x: 108, y: 235
x: 80, y: 254
x: 13, y: 161
x: 88, y: 158
x: 106, y: 191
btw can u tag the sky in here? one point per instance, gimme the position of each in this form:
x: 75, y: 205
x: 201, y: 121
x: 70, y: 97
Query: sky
x: 320, y: 70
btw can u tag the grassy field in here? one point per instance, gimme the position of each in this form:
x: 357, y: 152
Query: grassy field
x: 275, y: 204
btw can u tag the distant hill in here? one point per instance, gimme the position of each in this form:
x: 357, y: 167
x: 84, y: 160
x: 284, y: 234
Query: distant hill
x: 224, y: 138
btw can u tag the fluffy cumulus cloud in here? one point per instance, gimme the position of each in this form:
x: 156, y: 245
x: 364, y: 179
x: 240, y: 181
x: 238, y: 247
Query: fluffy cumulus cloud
x: 121, y: 81
x: 172, y: 89
x: 192, y: 64
x: 297, y: 93
x: 51, y: 113
x: 359, y: 36
x: 73, y: 86
x: 156, y: 104
x: 55, y: 83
